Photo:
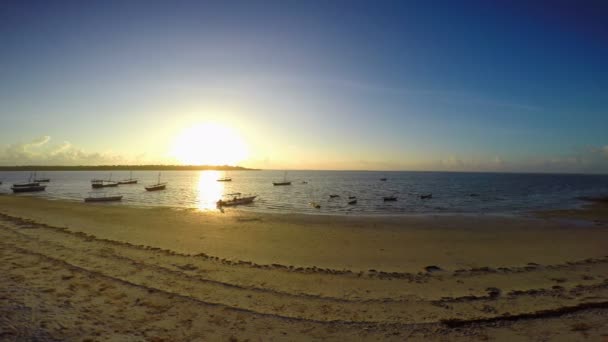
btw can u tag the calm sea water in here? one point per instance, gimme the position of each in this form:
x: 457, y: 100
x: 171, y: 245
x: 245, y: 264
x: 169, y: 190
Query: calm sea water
x: 452, y: 192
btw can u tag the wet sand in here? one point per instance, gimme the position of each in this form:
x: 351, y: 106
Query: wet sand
x: 74, y: 271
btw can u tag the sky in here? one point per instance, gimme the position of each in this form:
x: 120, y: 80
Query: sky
x: 514, y: 86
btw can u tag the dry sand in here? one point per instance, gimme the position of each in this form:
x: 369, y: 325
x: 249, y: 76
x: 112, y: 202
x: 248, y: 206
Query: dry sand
x: 74, y: 271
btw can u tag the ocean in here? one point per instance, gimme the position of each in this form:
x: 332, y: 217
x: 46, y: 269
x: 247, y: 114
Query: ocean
x: 452, y: 192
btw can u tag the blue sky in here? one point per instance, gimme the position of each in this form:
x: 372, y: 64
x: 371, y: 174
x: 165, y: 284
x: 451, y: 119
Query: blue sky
x: 420, y: 85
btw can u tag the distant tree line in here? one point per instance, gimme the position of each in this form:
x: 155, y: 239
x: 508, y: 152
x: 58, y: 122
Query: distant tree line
x: 124, y: 167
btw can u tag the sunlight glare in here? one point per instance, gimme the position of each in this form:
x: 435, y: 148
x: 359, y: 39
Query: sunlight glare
x: 209, y: 190
x: 209, y: 144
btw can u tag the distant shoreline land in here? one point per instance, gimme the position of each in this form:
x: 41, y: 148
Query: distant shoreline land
x: 125, y: 167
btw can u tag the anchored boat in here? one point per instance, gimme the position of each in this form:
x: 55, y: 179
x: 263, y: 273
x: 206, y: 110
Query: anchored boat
x: 102, y: 183
x: 28, y: 188
x: 237, y: 199
x: 95, y: 197
x: 284, y: 182
x: 157, y: 186
x: 131, y: 180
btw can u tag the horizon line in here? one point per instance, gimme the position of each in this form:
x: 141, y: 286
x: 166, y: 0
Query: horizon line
x: 176, y: 167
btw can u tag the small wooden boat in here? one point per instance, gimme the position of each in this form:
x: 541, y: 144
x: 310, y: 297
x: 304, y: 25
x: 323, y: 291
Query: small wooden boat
x: 235, y: 200
x: 390, y: 198
x: 429, y: 196
x: 157, y: 186
x: 102, y: 198
x: 31, y: 188
x: 131, y: 180
x: 102, y: 183
x: 23, y: 185
x: 352, y: 201
x: 284, y: 182
x: 29, y: 183
x: 334, y: 196
x: 224, y: 179
x: 383, y: 179
x: 41, y: 180
x: 352, y: 197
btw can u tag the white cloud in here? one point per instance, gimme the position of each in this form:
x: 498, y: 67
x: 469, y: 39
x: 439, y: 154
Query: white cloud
x: 40, y: 151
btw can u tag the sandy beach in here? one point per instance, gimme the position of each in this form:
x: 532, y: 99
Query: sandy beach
x: 73, y: 271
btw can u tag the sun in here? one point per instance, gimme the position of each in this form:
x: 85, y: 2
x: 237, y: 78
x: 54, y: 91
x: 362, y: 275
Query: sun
x: 209, y: 144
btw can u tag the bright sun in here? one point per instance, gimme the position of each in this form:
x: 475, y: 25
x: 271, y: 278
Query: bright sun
x: 209, y: 144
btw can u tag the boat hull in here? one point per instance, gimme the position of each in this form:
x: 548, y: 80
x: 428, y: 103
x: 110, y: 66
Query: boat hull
x: 28, y: 188
x: 235, y: 202
x: 22, y: 185
x: 156, y: 187
x: 132, y: 181
x: 281, y: 183
x: 103, y: 199
x: 103, y: 185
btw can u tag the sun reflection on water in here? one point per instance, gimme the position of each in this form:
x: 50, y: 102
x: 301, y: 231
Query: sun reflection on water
x: 209, y: 190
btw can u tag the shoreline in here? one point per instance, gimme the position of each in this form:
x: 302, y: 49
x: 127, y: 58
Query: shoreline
x: 78, y: 269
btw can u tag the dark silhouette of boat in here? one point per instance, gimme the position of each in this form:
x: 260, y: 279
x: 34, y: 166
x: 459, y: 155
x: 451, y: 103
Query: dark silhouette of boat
x: 102, y: 183
x: 103, y: 198
x: 30, y: 188
x: 23, y: 185
x: 390, y: 198
x: 352, y: 201
x: 429, y: 196
x: 29, y: 183
x: 235, y: 200
x: 383, y: 179
x: 157, y: 186
x: 224, y: 179
x: 41, y: 180
x: 284, y: 182
x: 333, y: 196
x: 131, y: 180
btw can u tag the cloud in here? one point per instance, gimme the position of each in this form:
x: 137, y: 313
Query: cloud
x: 40, y: 151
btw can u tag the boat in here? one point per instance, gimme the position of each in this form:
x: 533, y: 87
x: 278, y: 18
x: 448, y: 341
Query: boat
x: 131, y: 180
x: 237, y: 199
x: 315, y: 205
x: 383, y: 179
x: 157, y: 186
x: 93, y: 197
x: 390, y: 198
x: 225, y: 179
x: 352, y: 197
x: 352, y: 201
x: 333, y: 196
x: 284, y: 182
x: 23, y: 185
x: 30, y: 188
x: 429, y: 196
x: 29, y: 183
x: 102, y: 183
x: 41, y: 180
